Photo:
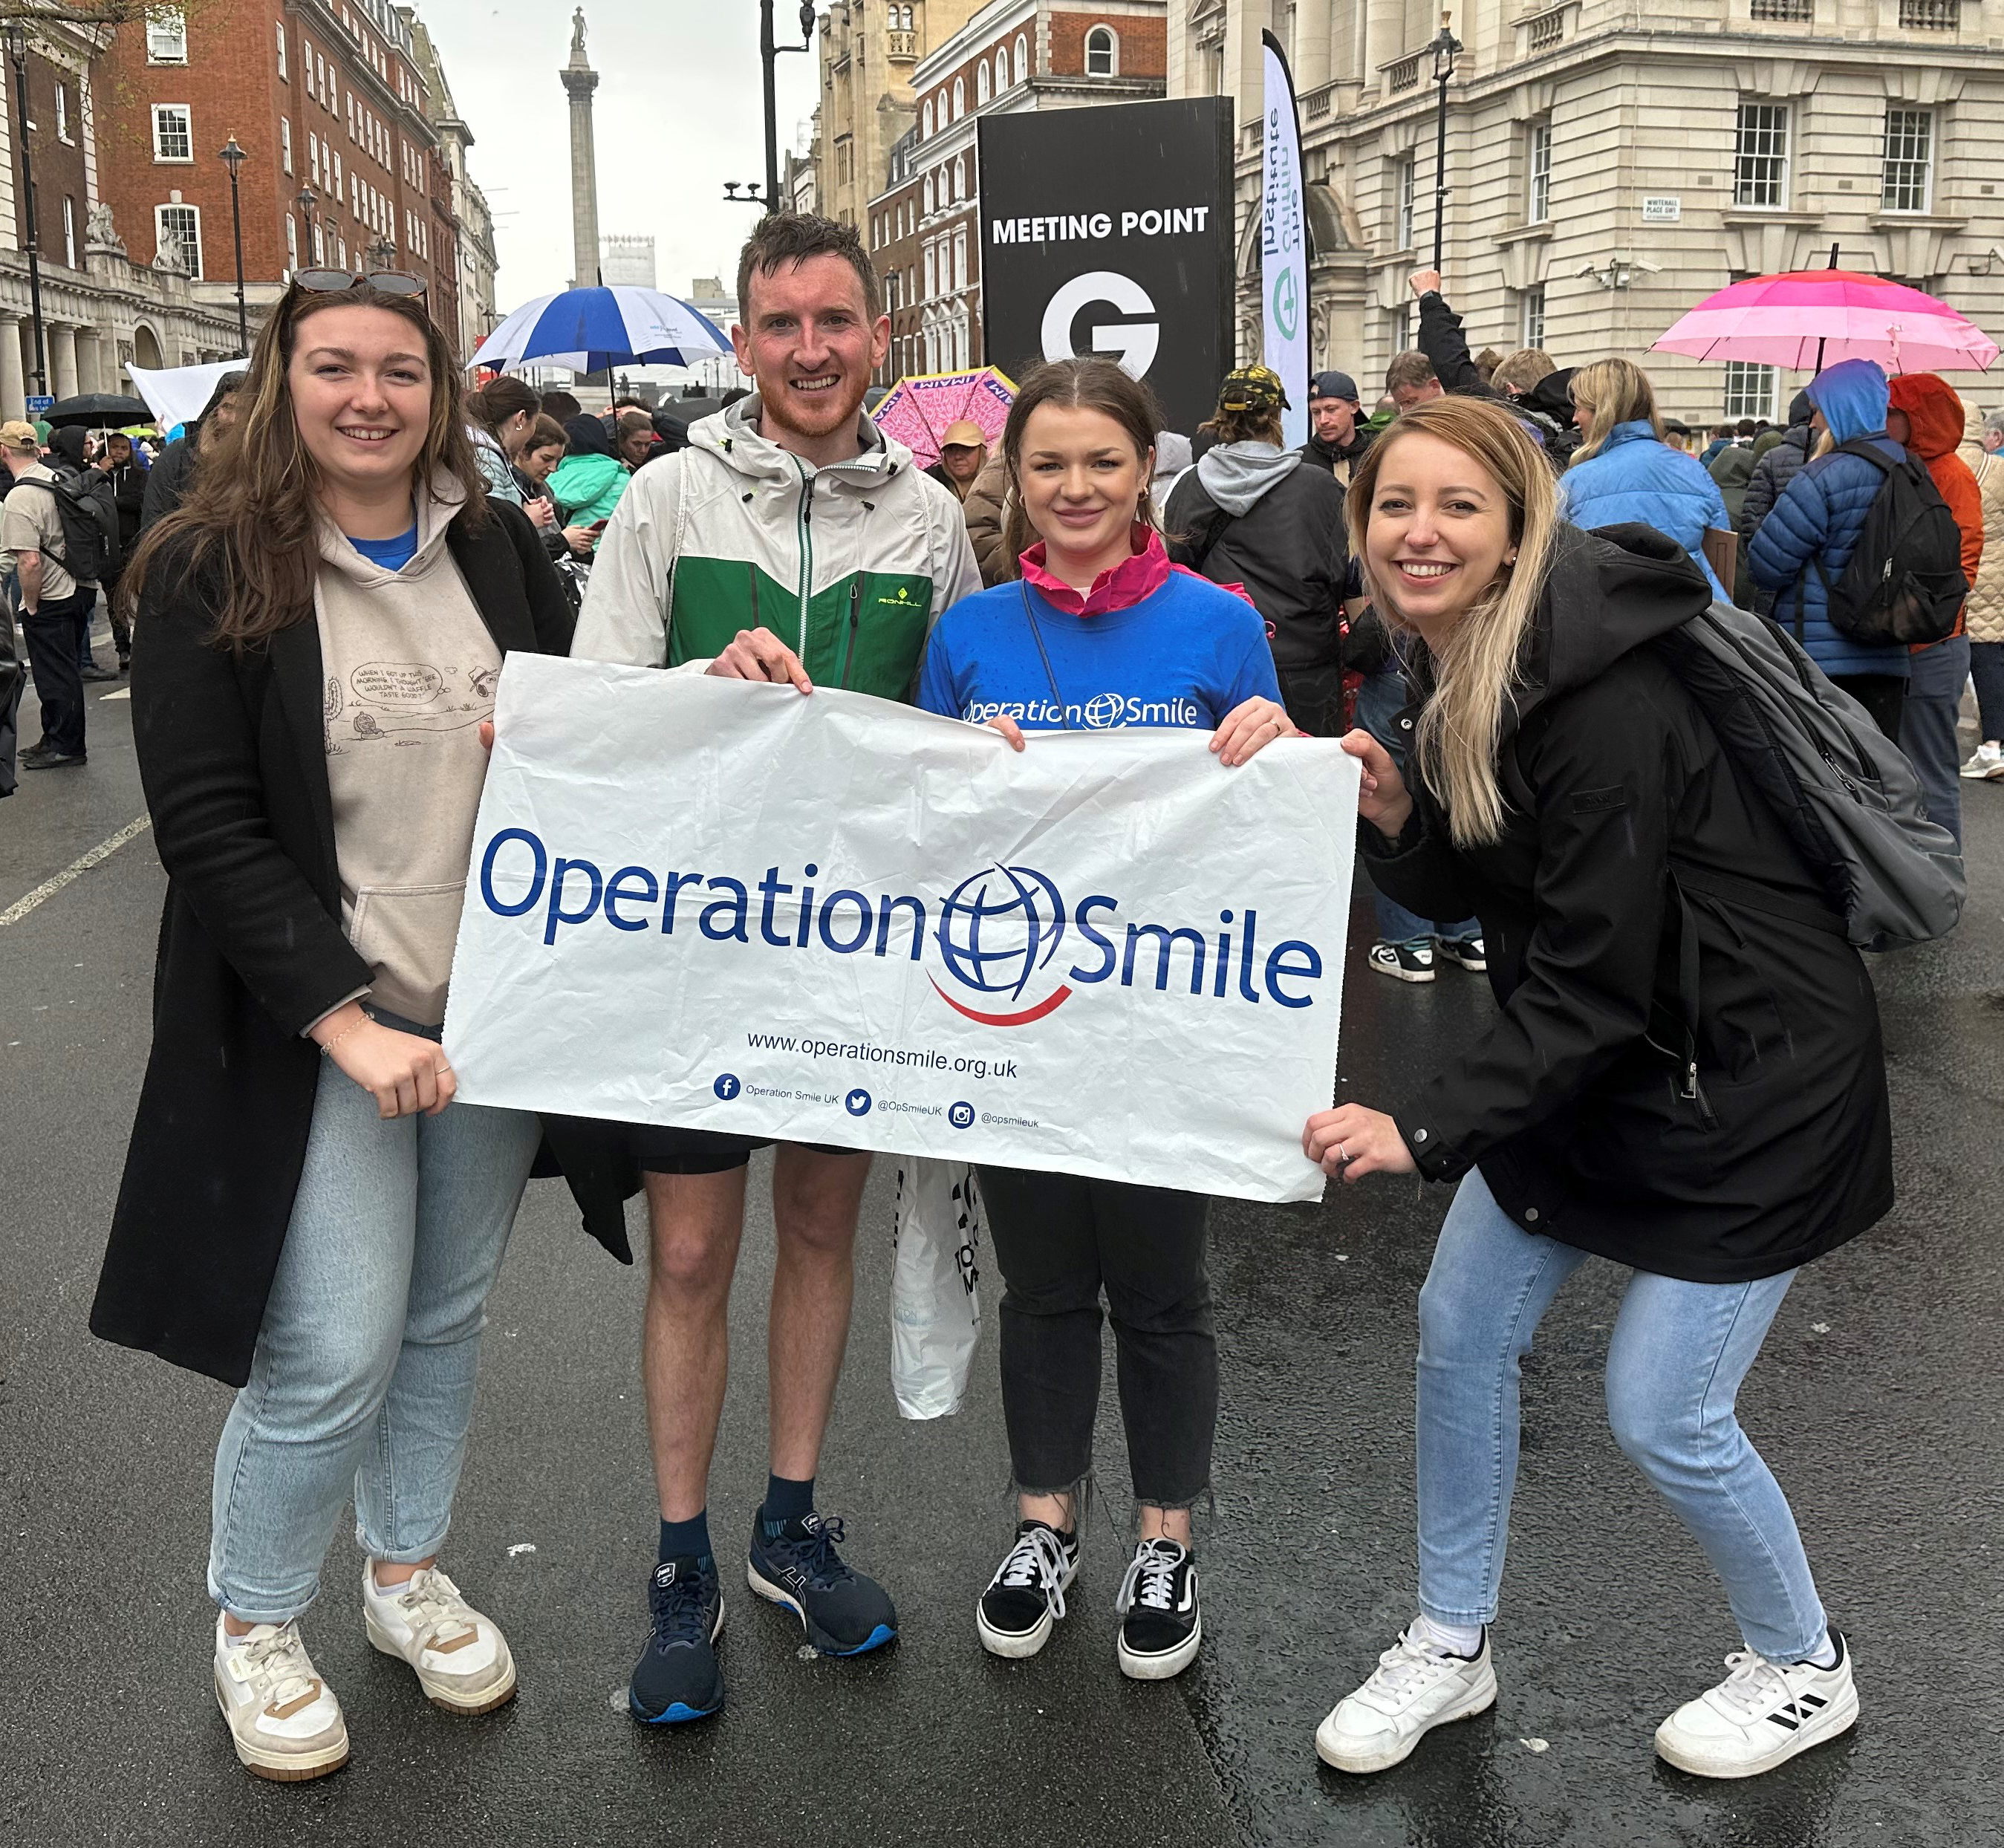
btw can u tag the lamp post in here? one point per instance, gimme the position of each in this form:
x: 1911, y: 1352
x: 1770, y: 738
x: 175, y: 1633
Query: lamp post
x: 768, y: 55
x: 232, y: 157
x: 17, y: 50
x: 1443, y: 48
x: 309, y: 203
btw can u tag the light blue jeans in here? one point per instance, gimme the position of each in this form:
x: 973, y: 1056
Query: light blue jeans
x: 1379, y: 702
x: 361, y: 1382
x: 1675, y: 1362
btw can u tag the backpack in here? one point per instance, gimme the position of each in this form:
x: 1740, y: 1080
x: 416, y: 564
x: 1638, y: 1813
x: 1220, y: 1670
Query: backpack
x: 88, y: 513
x: 1904, y: 583
x: 1843, y: 792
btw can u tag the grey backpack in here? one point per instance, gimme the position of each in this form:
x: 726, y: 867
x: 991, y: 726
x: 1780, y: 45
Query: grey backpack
x: 1844, y: 791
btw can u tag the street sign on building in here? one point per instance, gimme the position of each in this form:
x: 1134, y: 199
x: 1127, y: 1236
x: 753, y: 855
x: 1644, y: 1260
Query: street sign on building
x: 1662, y: 208
x: 37, y: 405
x: 1109, y: 230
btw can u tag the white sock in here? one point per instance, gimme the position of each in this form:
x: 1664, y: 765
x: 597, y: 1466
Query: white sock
x: 1824, y: 1656
x: 1456, y: 1639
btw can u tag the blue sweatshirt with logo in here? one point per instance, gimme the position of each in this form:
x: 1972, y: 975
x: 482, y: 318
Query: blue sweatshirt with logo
x: 1185, y: 655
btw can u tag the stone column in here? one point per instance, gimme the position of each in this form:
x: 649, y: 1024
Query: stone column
x: 13, y: 375
x: 89, y: 371
x: 1311, y: 48
x: 579, y: 80
x: 62, y: 359
x: 1384, y: 38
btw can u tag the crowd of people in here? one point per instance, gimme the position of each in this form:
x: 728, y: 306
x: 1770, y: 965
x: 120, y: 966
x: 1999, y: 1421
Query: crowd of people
x: 1684, y: 1075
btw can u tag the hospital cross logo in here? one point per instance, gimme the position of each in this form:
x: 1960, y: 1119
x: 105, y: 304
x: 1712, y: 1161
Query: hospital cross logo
x: 997, y: 929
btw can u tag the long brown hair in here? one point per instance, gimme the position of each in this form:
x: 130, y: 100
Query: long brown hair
x: 1075, y: 384
x: 1477, y: 665
x: 249, y: 524
x: 499, y: 399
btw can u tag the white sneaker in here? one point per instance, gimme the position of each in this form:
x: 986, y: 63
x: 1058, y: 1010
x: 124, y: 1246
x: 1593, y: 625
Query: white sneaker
x: 1761, y: 1715
x: 1417, y: 1686
x: 1987, y: 765
x: 283, y: 1719
x: 461, y: 1658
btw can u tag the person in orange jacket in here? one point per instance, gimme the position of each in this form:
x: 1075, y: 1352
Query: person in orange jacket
x: 1927, y: 417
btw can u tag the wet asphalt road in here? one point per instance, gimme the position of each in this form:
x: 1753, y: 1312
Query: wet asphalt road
x: 1877, y: 1402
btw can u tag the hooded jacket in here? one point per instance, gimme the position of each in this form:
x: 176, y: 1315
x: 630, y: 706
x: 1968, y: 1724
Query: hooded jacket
x: 167, y: 480
x: 1629, y: 837
x: 1341, y: 463
x: 588, y: 483
x: 1983, y: 612
x: 1636, y: 477
x: 494, y: 465
x: 1775, y: 466
x: 986, y: 512
x: 1249, y: 514
x: 1934, y: 412
x: 849, y: 564
x: 1817, y: 519
x: 1546, y: 410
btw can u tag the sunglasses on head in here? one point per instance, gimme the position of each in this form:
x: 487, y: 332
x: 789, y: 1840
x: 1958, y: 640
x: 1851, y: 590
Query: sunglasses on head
x: 384, y: 282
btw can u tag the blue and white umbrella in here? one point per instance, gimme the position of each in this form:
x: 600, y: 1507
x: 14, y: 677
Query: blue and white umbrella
x: 590, y: 329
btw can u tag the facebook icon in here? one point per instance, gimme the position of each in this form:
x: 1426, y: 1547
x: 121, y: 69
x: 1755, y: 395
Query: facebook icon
x: 726, y: 1086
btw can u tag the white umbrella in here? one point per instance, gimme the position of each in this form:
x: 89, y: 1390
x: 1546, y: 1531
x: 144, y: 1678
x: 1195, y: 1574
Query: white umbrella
x: 589, y: 330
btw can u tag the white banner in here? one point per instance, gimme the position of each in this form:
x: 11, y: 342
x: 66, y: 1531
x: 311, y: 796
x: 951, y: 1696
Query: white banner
x: 831, y: 919
x: 1284, y: 256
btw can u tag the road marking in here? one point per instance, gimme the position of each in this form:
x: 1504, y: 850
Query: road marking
x: 75, y: 870
x: 124, y: 692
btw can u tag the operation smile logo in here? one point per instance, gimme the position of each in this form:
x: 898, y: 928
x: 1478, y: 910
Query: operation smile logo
x: 994, y: 938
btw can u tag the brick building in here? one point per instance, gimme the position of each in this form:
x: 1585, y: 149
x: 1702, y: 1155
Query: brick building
x: 922, y: 228
x: 328, y: 100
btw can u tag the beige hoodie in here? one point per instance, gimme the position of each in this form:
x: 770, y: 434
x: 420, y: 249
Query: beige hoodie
x: 410, y: 673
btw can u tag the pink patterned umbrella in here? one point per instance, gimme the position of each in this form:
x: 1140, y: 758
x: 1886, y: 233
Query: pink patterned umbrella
x: 1806, y: 319
x: 917, y: 409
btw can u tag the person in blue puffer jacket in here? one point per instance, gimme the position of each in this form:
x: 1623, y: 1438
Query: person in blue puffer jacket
x: 1625, y: 472
x: 1817, y: 522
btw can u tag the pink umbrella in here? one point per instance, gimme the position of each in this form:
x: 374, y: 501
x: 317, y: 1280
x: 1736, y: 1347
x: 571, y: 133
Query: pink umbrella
x: 1806, y: 319
x: 917, y: 409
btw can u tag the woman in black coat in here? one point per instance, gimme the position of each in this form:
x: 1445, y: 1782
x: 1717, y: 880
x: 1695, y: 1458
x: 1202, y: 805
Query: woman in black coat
x: 1686, y: 1076
x: 305, y: 1213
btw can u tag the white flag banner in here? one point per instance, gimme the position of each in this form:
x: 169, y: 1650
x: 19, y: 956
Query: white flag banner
x: 831, y: 919
x: 1284, y: 256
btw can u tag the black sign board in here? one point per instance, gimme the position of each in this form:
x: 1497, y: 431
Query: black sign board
x: 1109, y: 230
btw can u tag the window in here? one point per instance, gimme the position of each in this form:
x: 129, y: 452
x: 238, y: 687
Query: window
x: 931, y: 275
x: 178, y: 228
x: 940, y: 114
x: 69, y: 230
x: 1022, y: 59
x: 1001, y: 72
x: 960, y: 178
x: 927, y: 190
x: 959, y: 258
x: 1102, y: 53
x: 926, y: 121
x: 1761, y: 154
x: 959, y: 99
x: 62, y: 112
x: 286, y: 143
x: 981, y: 82
x: 1906, y: 173
x: 1539, y: 168
x: 1403, y: 181
x: 173, y: 135
x: 283, y: 73
x: 166, y: 37
x: 292, y: 242
x: 1533, y: 327
x: 1749, y: 390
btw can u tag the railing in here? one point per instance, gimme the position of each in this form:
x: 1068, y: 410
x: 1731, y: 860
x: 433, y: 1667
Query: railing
x: 1405, y: 75
x: 1316, y: 104
x: 1930, y: 16
x: 1799, y: 12
x: 901, y: 45
x: 1547, y: 29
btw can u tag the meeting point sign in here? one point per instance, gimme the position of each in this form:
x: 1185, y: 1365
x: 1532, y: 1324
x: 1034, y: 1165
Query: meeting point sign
x: 829, y: 919
x: 1109, y: 230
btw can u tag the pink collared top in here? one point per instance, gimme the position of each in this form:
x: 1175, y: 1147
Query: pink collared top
x: 1139, y: 574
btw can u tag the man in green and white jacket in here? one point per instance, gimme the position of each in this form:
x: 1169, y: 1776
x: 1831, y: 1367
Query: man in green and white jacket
x: 791, y: 540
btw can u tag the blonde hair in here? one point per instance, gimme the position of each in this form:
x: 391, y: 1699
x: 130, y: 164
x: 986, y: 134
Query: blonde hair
x: 1477, y: 665
x: 1523, y: 369
x: 1612, y: 392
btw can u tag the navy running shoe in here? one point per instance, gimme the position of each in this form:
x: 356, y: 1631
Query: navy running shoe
x: 678, y: 1678
x: 795, y: 1563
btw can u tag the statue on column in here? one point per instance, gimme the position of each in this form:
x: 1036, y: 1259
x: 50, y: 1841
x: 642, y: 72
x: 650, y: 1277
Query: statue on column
x: 100, y: 234
x: 577, y: 38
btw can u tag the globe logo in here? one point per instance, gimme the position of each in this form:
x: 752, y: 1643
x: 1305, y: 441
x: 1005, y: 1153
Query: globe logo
x: 1102, y: 712
x: 998, y: 927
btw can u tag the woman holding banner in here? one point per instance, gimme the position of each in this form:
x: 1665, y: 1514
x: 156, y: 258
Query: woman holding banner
x: 1686, y: 1076
x: 1099, y: 612
x: 322, y: 624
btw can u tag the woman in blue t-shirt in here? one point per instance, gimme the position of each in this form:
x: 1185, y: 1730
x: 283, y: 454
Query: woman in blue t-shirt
x: 1100, y: 631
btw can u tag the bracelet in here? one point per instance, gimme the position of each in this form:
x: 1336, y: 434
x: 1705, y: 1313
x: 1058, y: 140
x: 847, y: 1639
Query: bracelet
x: 328, y: 1046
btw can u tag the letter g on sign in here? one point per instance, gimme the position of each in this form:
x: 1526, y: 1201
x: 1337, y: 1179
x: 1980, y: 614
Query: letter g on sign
x: 1131, y: 344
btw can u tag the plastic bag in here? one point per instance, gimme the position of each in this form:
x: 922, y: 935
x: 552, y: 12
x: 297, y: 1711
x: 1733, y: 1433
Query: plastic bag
x: 935, y: 1311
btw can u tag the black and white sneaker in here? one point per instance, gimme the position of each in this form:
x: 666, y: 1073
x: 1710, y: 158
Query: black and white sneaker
x: 1465, y: 952
x: 1161, y: 1624
x: 1016, y: 1615
x: 1761, y: 1715
x: 1403, y: 961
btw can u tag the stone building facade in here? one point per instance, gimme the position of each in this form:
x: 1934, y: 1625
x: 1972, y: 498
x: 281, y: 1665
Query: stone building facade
x: 1610, y: 166
x: 472, y: 219
x: 923, y: 228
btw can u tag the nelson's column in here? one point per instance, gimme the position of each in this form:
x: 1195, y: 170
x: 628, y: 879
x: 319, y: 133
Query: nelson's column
x: 579, y: 80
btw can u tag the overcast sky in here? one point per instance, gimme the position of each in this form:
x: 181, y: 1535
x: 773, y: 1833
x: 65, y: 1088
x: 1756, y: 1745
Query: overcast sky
x: 678, y: 112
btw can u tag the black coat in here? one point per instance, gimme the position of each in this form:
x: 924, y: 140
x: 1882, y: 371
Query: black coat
x: 1638, y: 887
x: 1546, y: 410
x: 252, y: 951
x: 1287, y: 548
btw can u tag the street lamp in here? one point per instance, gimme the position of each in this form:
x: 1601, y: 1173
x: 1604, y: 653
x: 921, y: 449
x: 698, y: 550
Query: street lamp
x: 309, y: 203
x: 233, y: 156
x: 768, y: 53
x: 17, y: 49
x: 1443, y: 48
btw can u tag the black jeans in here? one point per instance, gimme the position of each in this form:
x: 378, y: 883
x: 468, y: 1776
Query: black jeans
x: 52, y: 654
x: 1059, y: 1240
x: 1884, y: 696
